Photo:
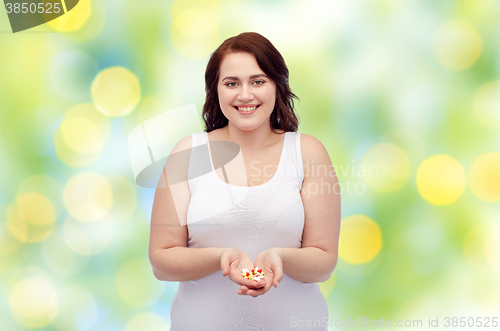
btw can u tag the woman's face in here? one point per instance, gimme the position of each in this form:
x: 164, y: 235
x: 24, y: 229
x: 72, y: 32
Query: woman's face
x: 244, y: 86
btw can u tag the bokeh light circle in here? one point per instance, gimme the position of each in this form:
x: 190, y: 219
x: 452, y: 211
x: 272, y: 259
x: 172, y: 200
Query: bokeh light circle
x: 88, y: 196
x: 116, y: 91
x: 457, y: 45
x: 360, y: 239
x: 32, y: 218
x: 81, y: 135
x: 440, y: 179
x: 69, y: 156
x: 409, y: 141
x: 59, y: 258
x: 327, y: 287
x: 78, y: 309
x: 36, y: 208
x: 492, y: 247
x: 8, y: 243
x: 481, y: 248
x: 34, y: 302
x: 124, y: 198
x: 146, y: 321
x: 484, y: 177
x: 387, y: 167
x: 74, y: 19
x: 93, y: 26
x: 88, y: 238
x: 486, y: 105
x: 136, y: 283
x: 45, y: 185
x: 194, y: 32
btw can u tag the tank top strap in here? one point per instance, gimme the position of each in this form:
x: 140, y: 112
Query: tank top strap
x: 199, y: 161
x: 198, y: 139
x: 292, y: 165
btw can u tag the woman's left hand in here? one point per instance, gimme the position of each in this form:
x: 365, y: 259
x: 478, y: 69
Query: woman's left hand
x: 270, y: 262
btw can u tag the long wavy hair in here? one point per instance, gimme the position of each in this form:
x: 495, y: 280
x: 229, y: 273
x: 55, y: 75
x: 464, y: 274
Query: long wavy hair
x: 271, y: 62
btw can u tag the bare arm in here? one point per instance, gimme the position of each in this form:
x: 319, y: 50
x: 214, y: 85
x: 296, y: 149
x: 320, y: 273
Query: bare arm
x: 317, y: 258
x: 169, y: 255
x: 181, y: 264
x: 308, y: 264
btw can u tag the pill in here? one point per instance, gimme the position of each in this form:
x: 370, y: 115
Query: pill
x: 255, y: 274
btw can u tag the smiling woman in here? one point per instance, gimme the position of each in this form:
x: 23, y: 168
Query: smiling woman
x: 263, y: 210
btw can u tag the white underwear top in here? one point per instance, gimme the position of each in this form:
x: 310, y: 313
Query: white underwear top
x: 251, y: 219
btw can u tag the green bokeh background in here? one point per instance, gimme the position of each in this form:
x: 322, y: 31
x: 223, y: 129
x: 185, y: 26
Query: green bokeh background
x: 366, y: 72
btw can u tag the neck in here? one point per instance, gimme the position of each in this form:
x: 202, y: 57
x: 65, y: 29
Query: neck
x: 250, y: 140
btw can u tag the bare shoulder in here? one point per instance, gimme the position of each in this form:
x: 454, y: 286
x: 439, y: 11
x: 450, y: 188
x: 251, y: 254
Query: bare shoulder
x: 217, y: 134
x: 311, y: 147
x: 177, y: 163
x: 313, y: 152
x: 183, y: 144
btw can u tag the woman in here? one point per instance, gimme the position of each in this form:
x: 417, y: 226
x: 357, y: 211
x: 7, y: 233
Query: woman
x: 274, y: 206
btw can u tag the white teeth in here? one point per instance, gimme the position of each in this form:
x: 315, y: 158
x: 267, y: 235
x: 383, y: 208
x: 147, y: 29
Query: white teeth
x: 246, y: 108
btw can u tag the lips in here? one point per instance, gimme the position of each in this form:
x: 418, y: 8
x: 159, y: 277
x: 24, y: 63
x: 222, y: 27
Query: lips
x: 246, y: 108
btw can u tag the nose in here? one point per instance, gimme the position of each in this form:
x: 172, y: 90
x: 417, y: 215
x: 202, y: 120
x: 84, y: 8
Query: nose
x: 245, y: 94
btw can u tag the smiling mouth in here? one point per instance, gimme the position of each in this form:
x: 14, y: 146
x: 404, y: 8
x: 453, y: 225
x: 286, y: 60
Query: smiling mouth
x: 245, y: 109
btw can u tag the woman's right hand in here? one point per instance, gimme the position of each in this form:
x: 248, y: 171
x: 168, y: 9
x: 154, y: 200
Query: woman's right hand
x: 232, y: 261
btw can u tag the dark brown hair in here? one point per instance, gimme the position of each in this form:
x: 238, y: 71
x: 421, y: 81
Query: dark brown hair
x: 270, y: 61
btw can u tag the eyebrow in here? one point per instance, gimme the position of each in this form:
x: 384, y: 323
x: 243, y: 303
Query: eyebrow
x: 251, y: 77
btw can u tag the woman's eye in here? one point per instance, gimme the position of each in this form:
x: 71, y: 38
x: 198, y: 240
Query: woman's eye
x: 233, y: 84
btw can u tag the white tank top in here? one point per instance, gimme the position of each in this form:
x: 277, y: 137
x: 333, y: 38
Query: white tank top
x: 251, y: 219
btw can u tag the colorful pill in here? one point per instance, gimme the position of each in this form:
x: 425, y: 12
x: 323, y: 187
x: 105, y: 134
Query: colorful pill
x: 255, y: 274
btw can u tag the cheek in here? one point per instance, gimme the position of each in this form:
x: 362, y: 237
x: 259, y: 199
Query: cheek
x: 224, y: 97
x: 271, y: 93
x: 224, y: 103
